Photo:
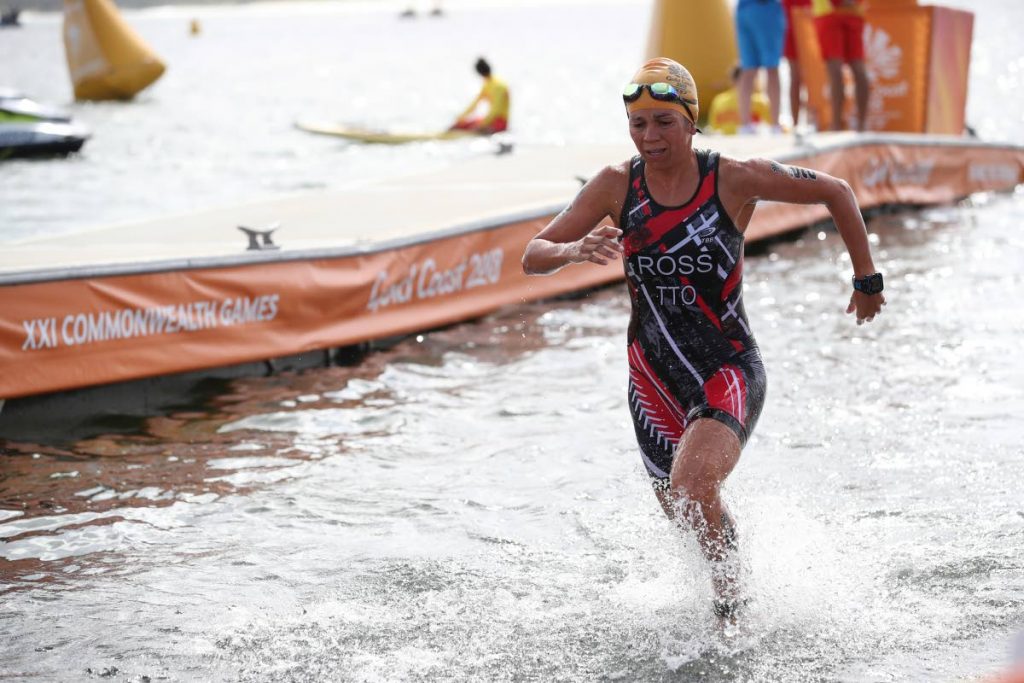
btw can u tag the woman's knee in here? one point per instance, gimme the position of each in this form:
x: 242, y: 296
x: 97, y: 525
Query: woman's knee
x: 706, y: 455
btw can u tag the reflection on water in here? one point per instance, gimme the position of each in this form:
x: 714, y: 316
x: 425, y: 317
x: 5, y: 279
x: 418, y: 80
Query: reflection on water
x: 246, y: 437
x: 469, y: 504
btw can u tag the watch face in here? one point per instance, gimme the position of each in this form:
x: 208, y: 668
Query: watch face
x: 872, y: 284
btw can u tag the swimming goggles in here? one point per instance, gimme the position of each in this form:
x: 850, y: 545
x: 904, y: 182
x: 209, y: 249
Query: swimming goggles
x: 663, y: 92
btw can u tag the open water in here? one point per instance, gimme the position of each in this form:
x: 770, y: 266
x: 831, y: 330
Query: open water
x: 469, y: 504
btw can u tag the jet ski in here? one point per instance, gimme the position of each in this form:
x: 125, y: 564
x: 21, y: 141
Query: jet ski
x: 40, y: 138
x: 14, y: 106
x: 9, y: 17
x: 28, y: 128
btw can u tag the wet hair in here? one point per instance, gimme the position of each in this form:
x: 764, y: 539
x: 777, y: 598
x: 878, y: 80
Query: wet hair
x: 483, y: 68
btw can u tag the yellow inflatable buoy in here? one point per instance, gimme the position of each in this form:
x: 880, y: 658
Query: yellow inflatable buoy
x: 700, y: 36
x: 194, y: 28
x: 107, y: 60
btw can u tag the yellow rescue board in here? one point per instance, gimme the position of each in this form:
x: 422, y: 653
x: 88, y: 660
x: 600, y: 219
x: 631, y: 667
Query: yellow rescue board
x: 395, y: 137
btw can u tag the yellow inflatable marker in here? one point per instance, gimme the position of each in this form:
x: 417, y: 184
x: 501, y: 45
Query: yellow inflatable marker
x: 701, y: 37
x: 107, y: 60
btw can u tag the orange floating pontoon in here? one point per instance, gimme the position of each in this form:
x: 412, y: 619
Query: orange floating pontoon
x: 388, y: 258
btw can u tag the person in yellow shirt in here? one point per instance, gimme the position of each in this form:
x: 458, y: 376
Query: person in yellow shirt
x: 840, y: 26
x: 724, y: 114
x: 494, y: 92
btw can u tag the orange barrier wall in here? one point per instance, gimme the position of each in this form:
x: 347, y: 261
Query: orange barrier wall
x: 74, y: 333
x: 917, y: 60
x: 66, y: 334
x: 889, y: 172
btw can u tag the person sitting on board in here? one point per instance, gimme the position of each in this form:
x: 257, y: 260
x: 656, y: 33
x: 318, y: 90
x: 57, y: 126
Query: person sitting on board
x: 677, y: 216
x: 724, y: 114
x: 494, y: 92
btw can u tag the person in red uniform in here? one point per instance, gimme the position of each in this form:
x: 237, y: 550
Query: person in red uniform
x: 676, y: 216
x: 840, y: 25
x: 793, y: 59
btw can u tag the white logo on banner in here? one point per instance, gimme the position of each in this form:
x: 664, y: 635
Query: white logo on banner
x: 77, y: 329
x: 886, y: 172
x: 999, y: 175
x: 424, y: 280
x: 884, y: 58
x: 884, y: 63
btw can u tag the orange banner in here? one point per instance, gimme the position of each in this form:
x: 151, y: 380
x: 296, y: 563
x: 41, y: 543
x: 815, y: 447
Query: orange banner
x: 917, y: 60
x: 896, y: 49
x: 887, y: 173
x: 74, y: 333
x: 59, y: 335
x: 952, y: 32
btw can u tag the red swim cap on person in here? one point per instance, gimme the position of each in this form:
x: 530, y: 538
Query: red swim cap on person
x: 665, y: 70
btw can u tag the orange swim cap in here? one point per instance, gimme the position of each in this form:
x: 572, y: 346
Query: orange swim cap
x: 665, y: 70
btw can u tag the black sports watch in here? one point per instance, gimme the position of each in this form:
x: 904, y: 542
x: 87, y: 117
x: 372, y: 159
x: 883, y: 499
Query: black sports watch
x: 869, y: 284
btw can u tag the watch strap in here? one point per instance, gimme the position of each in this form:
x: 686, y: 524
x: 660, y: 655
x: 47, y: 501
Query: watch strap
x: 869, y: 284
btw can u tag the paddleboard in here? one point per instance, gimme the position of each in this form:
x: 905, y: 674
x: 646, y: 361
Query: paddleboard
x: 384, y: 137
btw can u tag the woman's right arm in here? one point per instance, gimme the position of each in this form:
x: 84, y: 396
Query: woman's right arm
x: 577, y: 235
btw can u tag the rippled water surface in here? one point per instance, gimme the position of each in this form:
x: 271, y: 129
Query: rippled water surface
x: 469, y: 504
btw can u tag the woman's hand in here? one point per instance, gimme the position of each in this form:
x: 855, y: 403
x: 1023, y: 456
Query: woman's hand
x: 601, y: 245
x: 867, y: 306
x: 571, y: 237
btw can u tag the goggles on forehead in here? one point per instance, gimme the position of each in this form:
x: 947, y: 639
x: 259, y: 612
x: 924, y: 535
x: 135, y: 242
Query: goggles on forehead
x: 663, y: 92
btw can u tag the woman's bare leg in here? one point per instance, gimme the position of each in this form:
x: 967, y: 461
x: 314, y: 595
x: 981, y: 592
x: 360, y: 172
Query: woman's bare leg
x: 707, y: 453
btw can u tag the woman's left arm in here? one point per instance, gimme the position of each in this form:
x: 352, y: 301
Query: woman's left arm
x: 745, y: 182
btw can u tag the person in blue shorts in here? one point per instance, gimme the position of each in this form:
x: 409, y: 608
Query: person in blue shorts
x: 760, y: 30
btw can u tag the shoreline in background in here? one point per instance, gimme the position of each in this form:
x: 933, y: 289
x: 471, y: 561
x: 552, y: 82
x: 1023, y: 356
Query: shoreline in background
x: 58, y: 5
x: 421, y: 6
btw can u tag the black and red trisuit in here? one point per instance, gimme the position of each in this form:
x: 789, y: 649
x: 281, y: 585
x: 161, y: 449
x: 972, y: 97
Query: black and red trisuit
x: 691, y: 352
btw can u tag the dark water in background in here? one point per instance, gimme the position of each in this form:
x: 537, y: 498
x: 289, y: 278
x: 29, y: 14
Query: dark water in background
x: 469, y: 504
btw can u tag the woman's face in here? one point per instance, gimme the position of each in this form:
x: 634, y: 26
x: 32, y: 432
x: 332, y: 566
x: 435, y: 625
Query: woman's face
x: 661, y: 136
